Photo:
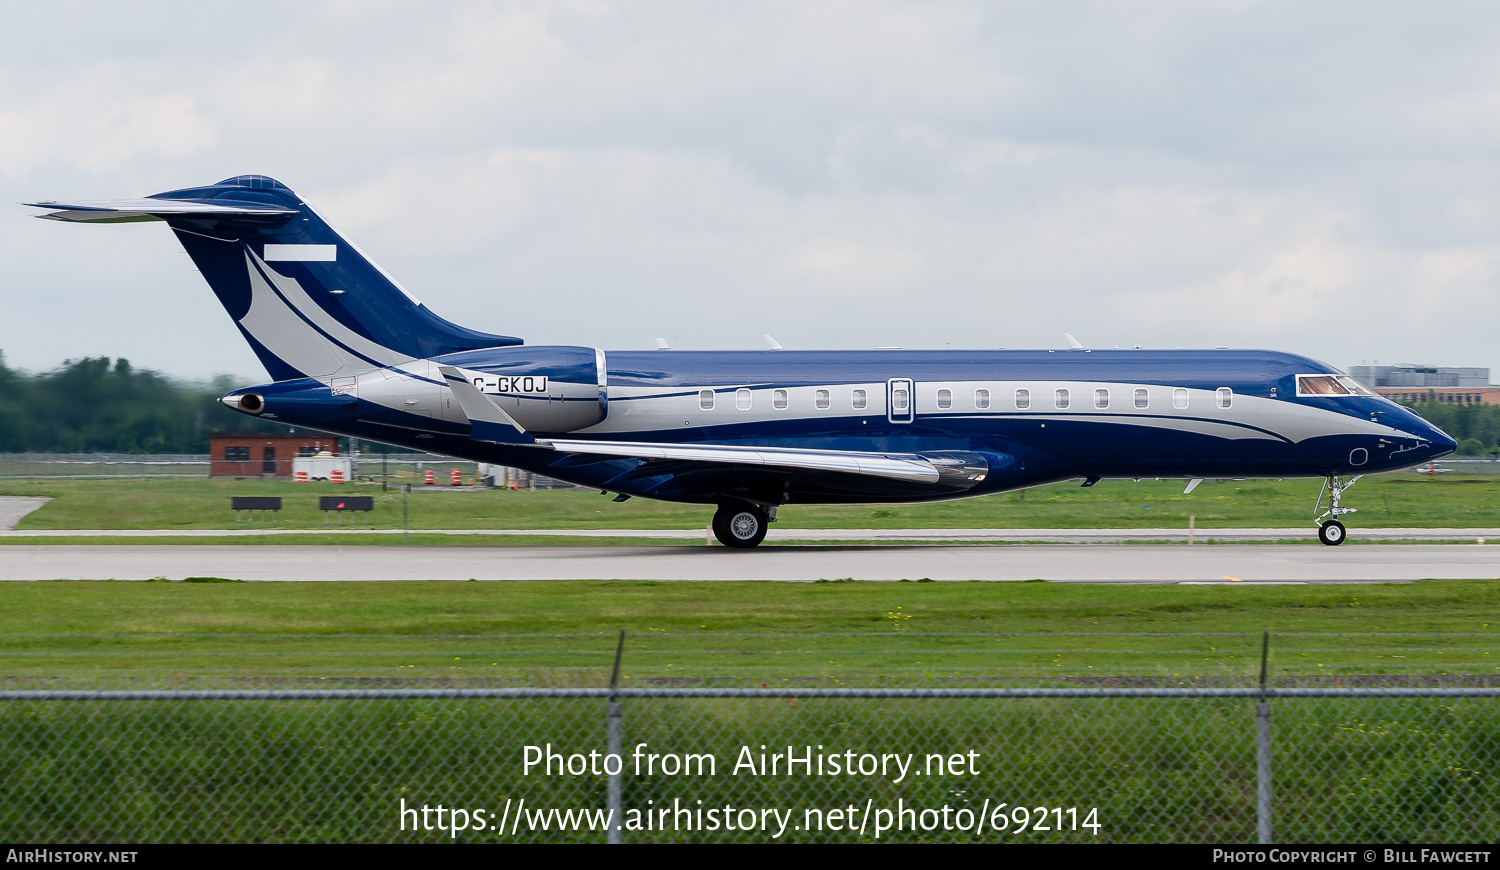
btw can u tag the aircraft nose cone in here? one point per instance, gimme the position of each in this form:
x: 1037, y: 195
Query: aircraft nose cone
x: 1442, y: 443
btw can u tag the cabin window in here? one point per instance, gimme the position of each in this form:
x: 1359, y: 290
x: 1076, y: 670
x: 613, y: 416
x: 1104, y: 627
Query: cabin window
x: 1101, y: 399
x: 982, y: 399
x: 706, y: 399
x: 778, y: 399
x: 859, y: 400
x: 1060, y: 399
x: 1224, y: 396
x: 1142, y: 398
x: 900, y: 400
x: 742, y: 399
x: 1179, y: 398
x: 1023, y: 399
x: 820, y: 399
x: 945, y: 399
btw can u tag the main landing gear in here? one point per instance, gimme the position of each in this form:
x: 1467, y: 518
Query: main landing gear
x: 1330, y: 530
x: 742, y: 525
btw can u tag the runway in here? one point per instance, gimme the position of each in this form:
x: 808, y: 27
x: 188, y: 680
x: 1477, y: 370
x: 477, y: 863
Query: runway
x: 1227, y: 564
x: 780, y: 535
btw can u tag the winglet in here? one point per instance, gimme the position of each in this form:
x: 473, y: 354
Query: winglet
x: 486, y: 420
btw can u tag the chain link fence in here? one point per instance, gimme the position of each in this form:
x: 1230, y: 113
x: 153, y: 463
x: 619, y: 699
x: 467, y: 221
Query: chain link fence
x: 1236, y: 765
x: 393, y: 468
x: 98, y: 465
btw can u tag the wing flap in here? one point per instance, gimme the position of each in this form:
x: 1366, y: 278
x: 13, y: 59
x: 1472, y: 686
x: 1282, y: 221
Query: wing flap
x: 896, y: 466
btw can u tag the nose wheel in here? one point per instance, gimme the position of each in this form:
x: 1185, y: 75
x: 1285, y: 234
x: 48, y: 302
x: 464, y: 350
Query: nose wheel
x: 1330, y: 530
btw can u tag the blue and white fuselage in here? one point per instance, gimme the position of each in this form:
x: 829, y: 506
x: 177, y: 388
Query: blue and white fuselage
x: 353, y: 353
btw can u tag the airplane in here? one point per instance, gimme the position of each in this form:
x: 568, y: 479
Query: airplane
x: 352, y: 352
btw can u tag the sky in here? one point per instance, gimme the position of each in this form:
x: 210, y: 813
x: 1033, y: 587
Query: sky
x: 1322, y: 178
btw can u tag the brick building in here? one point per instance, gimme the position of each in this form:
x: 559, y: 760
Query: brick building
x: 1442, y: 395
x: 263, y: 454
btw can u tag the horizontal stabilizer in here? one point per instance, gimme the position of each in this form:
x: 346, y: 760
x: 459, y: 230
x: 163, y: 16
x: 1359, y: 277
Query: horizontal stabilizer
x: 114, y: 211
x: 487, y: 421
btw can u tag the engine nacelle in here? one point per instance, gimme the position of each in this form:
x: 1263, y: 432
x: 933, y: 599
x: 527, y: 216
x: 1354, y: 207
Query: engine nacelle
x: 547, y: 390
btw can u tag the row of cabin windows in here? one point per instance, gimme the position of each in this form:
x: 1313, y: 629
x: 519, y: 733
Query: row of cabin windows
x: 779, y: 400
x: 900, y: 400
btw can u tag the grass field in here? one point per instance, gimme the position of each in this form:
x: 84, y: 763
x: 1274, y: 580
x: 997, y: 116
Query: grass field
x: 750, y: 633
x: 1183, y: 770
x: 1357, y: 770
x: 1392, y: 500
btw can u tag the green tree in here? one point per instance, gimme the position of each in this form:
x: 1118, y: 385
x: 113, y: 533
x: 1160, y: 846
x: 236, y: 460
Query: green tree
x: 99, y: 405
x: 1479, y: 423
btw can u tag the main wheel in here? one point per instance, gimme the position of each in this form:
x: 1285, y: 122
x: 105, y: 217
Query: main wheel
x: 740, y: 526
x: 1332, y: 533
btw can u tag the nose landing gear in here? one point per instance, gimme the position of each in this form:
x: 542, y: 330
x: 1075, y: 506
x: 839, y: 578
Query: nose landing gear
x: 1330, y: 530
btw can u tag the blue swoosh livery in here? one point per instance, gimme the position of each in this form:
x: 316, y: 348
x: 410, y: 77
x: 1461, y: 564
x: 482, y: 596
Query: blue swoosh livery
x: 353, y: 353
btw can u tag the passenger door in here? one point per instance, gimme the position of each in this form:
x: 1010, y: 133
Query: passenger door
x: 900, y: 400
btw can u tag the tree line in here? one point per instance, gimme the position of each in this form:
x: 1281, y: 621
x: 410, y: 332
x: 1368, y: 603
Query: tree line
x: 99, y: 405
x: 1476, y: 428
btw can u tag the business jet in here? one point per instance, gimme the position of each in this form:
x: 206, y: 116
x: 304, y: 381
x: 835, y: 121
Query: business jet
x: 352, y: 352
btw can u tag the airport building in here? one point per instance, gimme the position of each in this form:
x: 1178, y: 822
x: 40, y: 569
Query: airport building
x: 1422, y: 377
x: 1464, y: 385
x: 263, y: 454
x: 1447, y: 395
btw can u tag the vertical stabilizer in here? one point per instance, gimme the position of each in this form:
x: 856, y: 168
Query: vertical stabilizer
x: 310, y: 303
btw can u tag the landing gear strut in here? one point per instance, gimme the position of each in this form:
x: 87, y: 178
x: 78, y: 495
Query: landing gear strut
x: 741, y: 525
x: 1330, y: 530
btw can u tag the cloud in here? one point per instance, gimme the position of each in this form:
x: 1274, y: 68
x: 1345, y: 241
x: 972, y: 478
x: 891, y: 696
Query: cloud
x: 842, y: 174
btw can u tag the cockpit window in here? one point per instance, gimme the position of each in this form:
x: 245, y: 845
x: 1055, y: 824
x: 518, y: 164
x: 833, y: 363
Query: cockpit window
x: 1356, y: 387
x: 1321, y: 385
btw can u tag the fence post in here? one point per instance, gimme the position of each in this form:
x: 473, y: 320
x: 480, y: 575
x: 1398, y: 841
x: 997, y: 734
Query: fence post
x: 1263, y: 753
x: 615, y: 746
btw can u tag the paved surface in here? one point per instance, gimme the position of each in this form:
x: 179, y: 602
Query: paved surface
x: 1061, y: 536
x: 1229, y: 564
x: 13, y: 507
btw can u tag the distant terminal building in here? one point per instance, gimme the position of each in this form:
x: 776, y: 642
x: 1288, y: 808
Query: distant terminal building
x: 1417, y: 383
x: 1444, y: 395
x: 263, y: 454
x: 1424, y: 377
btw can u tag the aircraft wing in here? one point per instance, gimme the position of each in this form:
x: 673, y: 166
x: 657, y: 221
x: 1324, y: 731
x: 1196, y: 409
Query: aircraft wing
x: 117, y: 211
x: 897, y: 466
x: 950, y: 468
